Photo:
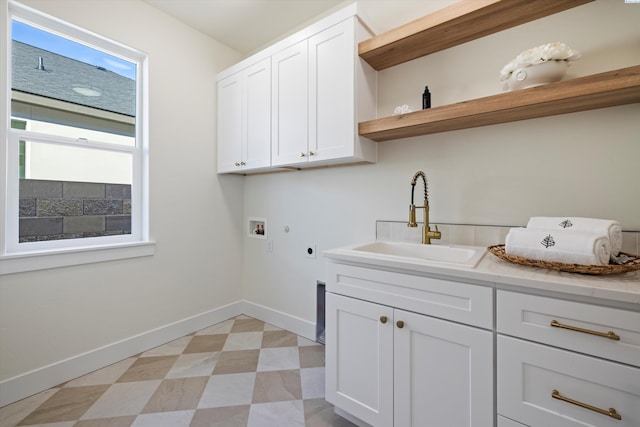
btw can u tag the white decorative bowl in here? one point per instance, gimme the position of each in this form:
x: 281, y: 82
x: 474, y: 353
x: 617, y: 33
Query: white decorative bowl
x: 537, y: 75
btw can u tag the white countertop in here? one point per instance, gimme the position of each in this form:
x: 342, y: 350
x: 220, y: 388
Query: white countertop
x: 623, y: 288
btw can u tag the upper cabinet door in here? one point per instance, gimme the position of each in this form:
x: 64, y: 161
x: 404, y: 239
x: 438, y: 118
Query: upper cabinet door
x: 289, y: 105
x: 332, y: 55
x: 256, y: 147
x: 230, y: 123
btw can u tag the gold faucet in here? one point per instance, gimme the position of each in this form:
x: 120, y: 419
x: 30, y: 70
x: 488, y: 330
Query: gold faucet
x: 427, y: 233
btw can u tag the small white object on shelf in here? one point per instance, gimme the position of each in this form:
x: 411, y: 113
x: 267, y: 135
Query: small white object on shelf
x: 402, y: 109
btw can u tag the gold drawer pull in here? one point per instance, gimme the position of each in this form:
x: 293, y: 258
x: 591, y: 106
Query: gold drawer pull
x: 610, y: 335
x: 383, y: 319
x: 611, y: 412
x: 400, y: 324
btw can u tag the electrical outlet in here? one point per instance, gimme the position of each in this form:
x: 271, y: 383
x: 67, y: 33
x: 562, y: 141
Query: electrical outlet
x: 310, y: 250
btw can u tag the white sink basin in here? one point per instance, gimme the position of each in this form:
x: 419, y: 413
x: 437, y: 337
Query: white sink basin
x: 456, y: 255
x: 411, y: 253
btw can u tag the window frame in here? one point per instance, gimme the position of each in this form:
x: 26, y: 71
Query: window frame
x: 18, y: 257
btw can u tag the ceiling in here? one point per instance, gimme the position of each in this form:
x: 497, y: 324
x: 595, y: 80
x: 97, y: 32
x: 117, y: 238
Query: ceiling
x: 244, y: 25
x: 250, y: 25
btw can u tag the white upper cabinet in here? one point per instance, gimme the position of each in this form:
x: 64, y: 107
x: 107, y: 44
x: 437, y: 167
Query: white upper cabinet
x: 319, y: 89
x: 290, y: 105
x: 256, y: 146
x: 244, y: 119
x: 332, y: 95
x: 314, y: 98
x: 229, y: 123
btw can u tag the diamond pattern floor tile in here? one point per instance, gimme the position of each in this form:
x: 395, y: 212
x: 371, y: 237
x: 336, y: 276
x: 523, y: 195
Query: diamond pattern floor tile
x: 242, y: 372
x: 67, y: 404
x: 148, y: 368
x: 233, y: 362
x: 277, y: 386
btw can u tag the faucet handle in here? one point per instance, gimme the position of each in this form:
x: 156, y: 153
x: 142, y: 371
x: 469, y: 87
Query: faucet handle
x: 435, y: 234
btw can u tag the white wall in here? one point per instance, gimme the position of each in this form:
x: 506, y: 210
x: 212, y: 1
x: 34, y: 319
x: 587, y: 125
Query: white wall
x: 51, y: 315
x: 582, y: 164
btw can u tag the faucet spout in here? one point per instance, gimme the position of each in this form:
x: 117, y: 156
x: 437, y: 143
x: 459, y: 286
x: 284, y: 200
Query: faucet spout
x: 427, y: 233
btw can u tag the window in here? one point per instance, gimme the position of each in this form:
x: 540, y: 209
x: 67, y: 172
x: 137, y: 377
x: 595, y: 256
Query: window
x: 76, y: 146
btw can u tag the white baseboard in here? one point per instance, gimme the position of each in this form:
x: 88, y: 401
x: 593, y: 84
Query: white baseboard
x: 281, y: 320
x: 27, y: 384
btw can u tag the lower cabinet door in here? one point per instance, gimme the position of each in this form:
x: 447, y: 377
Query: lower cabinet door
x: 443, y: 373
x: 359, y: 358
x: 542, y: 386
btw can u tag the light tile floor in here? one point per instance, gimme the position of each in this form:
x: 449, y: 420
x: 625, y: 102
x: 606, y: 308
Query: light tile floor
x: 239, y: 373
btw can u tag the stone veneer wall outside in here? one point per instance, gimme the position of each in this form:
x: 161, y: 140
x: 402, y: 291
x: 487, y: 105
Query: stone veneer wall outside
x: 54, y: 210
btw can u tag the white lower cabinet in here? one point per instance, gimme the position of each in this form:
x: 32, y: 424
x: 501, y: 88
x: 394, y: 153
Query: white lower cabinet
x: 359, y: 358
x: 391, y: 367
x: 544, y: 386
x: 567, y: 364
x: 443, y: 373
x: 415, y: 350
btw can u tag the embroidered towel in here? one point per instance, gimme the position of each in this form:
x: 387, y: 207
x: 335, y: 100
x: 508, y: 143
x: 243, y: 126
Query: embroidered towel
x: 599, y: 226
x: 571, y: 247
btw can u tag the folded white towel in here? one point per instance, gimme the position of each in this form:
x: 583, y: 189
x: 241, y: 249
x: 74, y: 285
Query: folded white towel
x: 607, y: 227
x: 571, y: 247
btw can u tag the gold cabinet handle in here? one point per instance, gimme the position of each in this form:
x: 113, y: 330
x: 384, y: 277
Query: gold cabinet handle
x: 311, y: 153
x: 302, y: 155
x: 383, y: 319
x: 237, y: 164
x: 400, y: 324
x: 610, y: 335
x: 611, y: 412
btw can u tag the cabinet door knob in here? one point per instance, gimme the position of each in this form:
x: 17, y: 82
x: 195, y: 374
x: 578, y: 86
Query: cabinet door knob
x: 383, y: 319
x: 237, y: 164
x: 302, y: 155
x: 311, y: 153
x: 242, y: 163
x: 400, y: 324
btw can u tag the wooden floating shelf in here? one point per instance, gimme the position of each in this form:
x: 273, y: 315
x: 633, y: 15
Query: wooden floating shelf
x: 612, y: 88
x: 459, y: 23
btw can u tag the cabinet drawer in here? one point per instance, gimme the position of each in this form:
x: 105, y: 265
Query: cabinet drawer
x: 528, y: 374
x: 580, y: 327
x: 460, y: 302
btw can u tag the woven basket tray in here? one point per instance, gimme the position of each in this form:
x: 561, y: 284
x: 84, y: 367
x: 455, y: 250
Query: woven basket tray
x: 631, y: 265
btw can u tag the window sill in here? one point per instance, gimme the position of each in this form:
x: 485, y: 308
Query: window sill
x: 32, y: 261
